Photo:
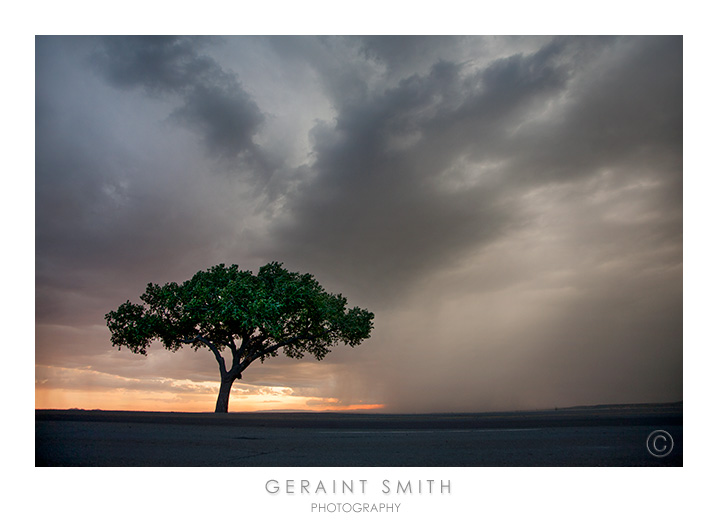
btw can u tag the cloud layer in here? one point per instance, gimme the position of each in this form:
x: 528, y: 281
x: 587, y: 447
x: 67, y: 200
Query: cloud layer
x: 510, y: 208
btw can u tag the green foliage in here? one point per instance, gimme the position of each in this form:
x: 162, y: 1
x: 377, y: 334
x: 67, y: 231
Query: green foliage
x: 255, y: 316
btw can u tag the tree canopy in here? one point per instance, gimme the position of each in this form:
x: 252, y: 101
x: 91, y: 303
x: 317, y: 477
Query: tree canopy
x: 253, y: 316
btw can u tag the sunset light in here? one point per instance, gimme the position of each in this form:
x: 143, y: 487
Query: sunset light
x: 93, y: 390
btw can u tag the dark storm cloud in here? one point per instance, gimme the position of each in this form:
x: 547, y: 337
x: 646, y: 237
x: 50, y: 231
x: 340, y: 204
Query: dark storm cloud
x: 398, y: 52
x: 628, y: 113
x: 378, y: 202
x: 411, y: 177
x: 214, y: 102
x: 405, y: 55
x: 227, y: 118
x: 156, y: 63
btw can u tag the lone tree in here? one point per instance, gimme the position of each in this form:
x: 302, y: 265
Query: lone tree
x: 255, y: 317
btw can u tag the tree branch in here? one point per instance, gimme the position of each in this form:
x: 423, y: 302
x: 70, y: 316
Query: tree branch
x: 271, y: 349
x: 236, y: 355
x: 217, y: 354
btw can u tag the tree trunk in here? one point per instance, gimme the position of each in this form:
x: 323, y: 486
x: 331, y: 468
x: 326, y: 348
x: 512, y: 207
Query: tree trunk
x: 223, y: 397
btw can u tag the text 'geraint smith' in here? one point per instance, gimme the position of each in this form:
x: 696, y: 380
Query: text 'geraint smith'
x: 359, y: 486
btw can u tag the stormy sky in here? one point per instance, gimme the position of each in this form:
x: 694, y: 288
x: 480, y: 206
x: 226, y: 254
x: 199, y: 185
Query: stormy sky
x: 510, y: 208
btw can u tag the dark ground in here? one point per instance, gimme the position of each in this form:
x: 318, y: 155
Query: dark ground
x: 583, y: 436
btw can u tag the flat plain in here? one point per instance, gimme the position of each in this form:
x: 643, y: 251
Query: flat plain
x: 608, y: 435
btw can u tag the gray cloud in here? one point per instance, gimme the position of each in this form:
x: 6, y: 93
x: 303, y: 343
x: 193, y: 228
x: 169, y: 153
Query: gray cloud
x: 156, y: 63
x: 458, y: 165
x: 226, y: 118
x: 406, y: 180
x: 214, y: 102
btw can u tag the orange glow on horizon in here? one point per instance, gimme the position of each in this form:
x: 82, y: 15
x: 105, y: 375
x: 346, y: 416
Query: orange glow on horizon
x: 68, y: 388
x: 119, y: 400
